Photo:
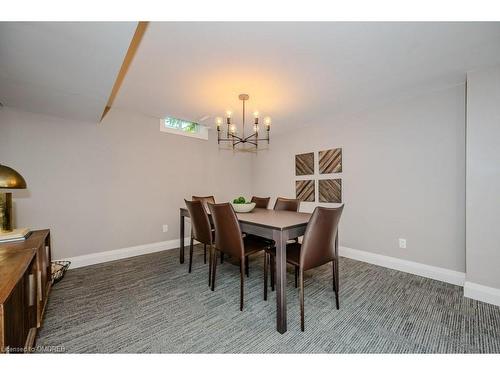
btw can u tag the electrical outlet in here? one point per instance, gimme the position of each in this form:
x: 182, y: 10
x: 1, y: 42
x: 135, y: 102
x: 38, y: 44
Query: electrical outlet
x: 165, y: 228
x: 402, y: 243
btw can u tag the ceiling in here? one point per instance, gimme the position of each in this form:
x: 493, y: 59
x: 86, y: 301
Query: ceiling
x: 63, y: 69
x: 300, y: 74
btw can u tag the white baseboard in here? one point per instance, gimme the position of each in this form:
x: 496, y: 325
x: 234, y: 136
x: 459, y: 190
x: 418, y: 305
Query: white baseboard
x: 431, y: 272
x: 108, y: 256
x: 482, y: 293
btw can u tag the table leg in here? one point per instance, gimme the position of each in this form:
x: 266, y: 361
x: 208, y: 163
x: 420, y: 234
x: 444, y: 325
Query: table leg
x: 181, y: 248
x: 280, y: 243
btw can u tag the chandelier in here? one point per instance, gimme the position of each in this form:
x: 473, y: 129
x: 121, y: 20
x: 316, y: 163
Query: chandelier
x: 237, y: 139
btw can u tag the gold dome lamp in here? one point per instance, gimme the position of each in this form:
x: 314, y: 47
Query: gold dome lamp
x: 9, y: 179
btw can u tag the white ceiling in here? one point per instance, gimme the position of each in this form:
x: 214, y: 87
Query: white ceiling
x: 62, y: 69
x: 299, y: 73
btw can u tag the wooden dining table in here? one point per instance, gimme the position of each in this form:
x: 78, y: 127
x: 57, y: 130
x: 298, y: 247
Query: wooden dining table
x: 278, y: 226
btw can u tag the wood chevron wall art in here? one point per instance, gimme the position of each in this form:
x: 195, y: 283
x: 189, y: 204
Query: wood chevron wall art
x: 304, y: 164
x: 330, y: 191
x: 304, y: 190
x: 330, y: 161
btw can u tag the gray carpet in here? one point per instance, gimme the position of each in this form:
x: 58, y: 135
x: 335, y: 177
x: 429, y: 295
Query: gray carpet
x: 151, y: 304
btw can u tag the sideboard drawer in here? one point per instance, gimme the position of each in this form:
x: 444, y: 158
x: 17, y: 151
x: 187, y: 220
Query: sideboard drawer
x: 18, y: 313
x: 25, y: 282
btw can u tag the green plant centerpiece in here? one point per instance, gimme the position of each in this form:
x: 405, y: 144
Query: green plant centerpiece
x: 239, y: 200
x: 240, y: 204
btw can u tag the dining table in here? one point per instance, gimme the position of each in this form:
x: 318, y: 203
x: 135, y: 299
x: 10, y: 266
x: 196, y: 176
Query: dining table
x: 279, y: 226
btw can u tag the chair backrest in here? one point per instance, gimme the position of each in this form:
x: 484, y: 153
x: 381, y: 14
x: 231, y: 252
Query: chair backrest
x: 285, y: 204
x: 228, y: 237
x: 205, y: 200
x: 261, y: 202
x: 320, y: 239
x: 200, y: 224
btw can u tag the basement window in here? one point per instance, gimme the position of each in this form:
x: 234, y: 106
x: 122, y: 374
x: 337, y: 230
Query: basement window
x: 183, y: 127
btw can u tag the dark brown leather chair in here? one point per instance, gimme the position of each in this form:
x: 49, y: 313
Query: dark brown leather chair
x: 229, y: 240
x: 201, y: 230
x: 261, y: 202
x: 320, y: 246
x: 205, y: 200
x: 286, y: 204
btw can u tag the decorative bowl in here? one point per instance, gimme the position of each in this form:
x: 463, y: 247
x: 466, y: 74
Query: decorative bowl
x: 243, y: 207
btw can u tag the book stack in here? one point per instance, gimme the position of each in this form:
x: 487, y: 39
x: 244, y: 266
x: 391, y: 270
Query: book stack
x: 19, y: 234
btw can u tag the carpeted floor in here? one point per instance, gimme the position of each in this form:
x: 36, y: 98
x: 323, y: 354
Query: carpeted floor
x: 151, y: 304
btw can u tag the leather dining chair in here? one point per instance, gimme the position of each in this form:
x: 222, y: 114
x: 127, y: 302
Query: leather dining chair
x: 261, y: 202
x: 286, y: 204
x: 320, y: 246
x: 230, y: 240
x: 205, y: 201
x: 201, y: 230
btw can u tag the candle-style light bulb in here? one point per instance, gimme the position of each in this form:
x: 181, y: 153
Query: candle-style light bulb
x: 267, y: 122
x: 256, y: 117
x: 218, y: 122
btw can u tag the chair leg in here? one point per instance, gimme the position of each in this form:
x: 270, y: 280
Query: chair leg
x: 210, y: 262
x: 335, y: 277
x: 296, y: 275
x: 273, y: 271
x: 242, y: 280
x: 214, y: 270
x: 190, y: 254
x: 204, y: 253
x: 247, y: 270
x: 266, y: 261
x: 301, y: 293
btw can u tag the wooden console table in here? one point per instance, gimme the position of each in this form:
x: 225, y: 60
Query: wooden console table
x: 25, y: 282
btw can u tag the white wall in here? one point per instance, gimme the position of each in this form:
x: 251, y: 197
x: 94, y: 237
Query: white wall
x: 483, y: 178
x: 403, y: 176
x: 113, y: 185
